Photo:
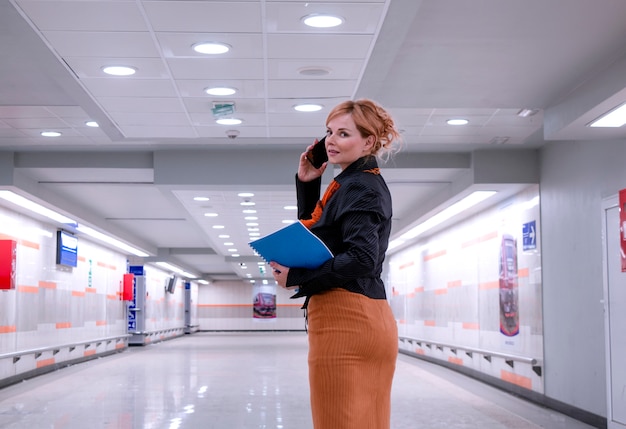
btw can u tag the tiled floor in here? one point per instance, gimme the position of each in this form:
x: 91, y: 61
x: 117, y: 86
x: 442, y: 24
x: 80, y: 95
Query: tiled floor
x: 244, y: 381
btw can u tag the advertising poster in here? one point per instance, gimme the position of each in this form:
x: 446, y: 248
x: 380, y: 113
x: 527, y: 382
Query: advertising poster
x: 264, y: 302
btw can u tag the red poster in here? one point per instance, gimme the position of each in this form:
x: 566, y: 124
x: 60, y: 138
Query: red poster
x: 8, y: 253
x: 622, y: 227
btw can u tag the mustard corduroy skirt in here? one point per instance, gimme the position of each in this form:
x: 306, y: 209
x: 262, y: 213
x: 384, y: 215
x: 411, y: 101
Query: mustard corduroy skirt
x: 353, y: 347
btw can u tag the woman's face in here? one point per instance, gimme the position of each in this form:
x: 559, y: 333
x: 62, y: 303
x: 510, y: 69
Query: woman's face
x: 344, y: 143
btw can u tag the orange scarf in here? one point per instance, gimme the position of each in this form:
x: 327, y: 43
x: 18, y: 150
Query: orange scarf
x: 317, y: 213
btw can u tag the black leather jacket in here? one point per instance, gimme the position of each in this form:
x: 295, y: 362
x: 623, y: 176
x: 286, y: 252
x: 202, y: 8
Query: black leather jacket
x: 355, y: 225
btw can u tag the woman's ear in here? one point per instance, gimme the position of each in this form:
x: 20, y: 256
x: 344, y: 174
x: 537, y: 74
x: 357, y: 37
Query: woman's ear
x: 369, y: 142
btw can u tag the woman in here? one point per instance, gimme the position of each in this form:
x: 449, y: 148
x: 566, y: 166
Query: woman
x: 353, y: 336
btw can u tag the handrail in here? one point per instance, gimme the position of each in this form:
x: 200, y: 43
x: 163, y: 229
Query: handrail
x: 41, y: 350
x: 157, y: 331
x: 506, y: 356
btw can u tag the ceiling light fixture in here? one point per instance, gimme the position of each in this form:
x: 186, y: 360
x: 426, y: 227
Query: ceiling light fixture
x: 112, y: 241
x: 458, y: 121
x: 228, y: 121
x: 211, y: 48
x: 322, y: 21
x: 614, y: 118
x: 525, y: 113
x: 50, y: 133
x: 175, y: 269
x: 220, y: 90
x: 23, y: 202
x: 447, y: 213
x: 92, y: 124
x: 308, y: 107
x: 314, y: 71
x: 119, y: 70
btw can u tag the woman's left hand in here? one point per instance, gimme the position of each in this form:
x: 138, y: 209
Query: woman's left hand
x: 280, y: 273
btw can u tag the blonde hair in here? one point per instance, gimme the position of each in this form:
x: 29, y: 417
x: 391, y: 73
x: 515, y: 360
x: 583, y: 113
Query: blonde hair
x: 371, y: 119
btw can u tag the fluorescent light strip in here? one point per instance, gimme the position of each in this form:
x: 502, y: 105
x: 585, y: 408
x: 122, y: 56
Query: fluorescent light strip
x: 613, y: 119
x: 175, y: 269
x: 36, y: 208
x: 453, y: 210
x: 110, y: 240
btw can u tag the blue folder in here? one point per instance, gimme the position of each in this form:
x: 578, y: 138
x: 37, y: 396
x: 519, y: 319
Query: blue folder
x: 292, y: 246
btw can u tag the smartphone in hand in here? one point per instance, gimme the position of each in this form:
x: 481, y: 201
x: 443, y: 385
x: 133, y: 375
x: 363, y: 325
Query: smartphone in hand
x: 317, y: 155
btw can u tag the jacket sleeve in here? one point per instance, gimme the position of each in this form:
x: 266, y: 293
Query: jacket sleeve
x: 307, y: 194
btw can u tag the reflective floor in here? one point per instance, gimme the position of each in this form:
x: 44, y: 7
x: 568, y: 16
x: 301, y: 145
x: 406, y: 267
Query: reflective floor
x: 244, y: 380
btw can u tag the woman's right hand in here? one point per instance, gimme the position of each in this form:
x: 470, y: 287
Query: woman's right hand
x: 306, y: 171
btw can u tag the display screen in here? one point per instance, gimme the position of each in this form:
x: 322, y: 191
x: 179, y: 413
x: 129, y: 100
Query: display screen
x: 67, y: 249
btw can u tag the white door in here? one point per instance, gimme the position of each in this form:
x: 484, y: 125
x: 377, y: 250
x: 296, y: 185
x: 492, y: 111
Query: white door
x: 615, y: 317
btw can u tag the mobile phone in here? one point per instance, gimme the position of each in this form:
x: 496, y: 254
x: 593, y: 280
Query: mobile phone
x: 317, y: 155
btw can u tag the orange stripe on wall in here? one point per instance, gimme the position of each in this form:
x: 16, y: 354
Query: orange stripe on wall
x: 522, y: 272
x: 519, y: 380
x: 441, y: 291
x: 435, y: 255
x: 111, y: 296
x: 24, y: 243
x: 105, y: 265
x: 224, y: 305
x: 407, y: 265
x: 471, y: 325
x: 28, y: 289
x: 489, y: 236
x: 82, y: 259
x: 63, y: 325
x: 455, y: 360
x: 7, y: 329
x: 47, y: 285
x: 419, y: 289
x: 455, y: 283
x: 90, y: 290
x: 30, y: 244
x: 45, y: 362
x: 101, y: 322
x: 489, y: 285
x: 420, y: 352
x: 78, y: 293
x: 410, y: 295
x: 89, y: 352
x: 429, y: 323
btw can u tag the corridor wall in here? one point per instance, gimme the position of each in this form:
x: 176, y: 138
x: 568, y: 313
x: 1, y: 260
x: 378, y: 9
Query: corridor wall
x: 229, y: 306
x: 56, y: 314
x: 471, y: 294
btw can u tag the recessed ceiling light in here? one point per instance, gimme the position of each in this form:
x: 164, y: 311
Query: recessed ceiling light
x: 50, y: 133
x: 308, y: 107
x: 224, y: 236
x: 211, y: 48
x: 92, y: 124
x: 201, y: 198
x: 119, y: 70
x: 245, y: 194
x: 322, y: 21
x: 221, y: 90
x: 210, y: 214
x: 228, y: 243
x: 252, y: 224
x: 228, y: 121
x: 250, y: 218
x: 291, y: 207
x: 249, y: 211
x: 247, y: 203
x: 457, y: 121
x: 218, y: 226
x: 254, y: 234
